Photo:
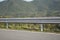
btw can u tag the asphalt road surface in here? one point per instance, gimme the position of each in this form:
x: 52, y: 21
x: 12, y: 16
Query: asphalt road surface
x: 27, y: 35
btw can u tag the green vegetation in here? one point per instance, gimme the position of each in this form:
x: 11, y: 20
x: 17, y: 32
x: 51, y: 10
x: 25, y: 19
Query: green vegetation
x: 21, y: 26
x: 36, y: 8
x: 32, y: 27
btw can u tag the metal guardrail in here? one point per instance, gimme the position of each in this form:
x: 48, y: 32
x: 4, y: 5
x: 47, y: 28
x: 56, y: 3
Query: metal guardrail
x: 32, y: 20
x: 40, y: 20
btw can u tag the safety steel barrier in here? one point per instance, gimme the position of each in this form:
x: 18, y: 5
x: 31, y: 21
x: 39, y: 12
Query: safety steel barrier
x: 39, y: 20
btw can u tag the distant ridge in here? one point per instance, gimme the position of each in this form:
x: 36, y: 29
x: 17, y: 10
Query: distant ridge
x: 36, y: 8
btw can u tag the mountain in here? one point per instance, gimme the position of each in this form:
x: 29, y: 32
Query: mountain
x: 54, y: 8
x: 36, y: 8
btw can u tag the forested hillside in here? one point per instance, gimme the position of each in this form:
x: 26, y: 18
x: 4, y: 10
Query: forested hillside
x: 36, y: 8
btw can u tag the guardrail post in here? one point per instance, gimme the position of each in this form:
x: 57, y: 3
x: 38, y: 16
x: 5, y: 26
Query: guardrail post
x: 7, y: 25
x: 41, y: 27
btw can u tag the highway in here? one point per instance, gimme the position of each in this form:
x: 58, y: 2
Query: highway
x: 27, y: 35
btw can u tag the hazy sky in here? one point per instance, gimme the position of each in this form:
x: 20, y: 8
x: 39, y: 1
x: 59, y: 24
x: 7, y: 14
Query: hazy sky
x: 24, y: 0
x: 28, y: 0
x: 1, y: 0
